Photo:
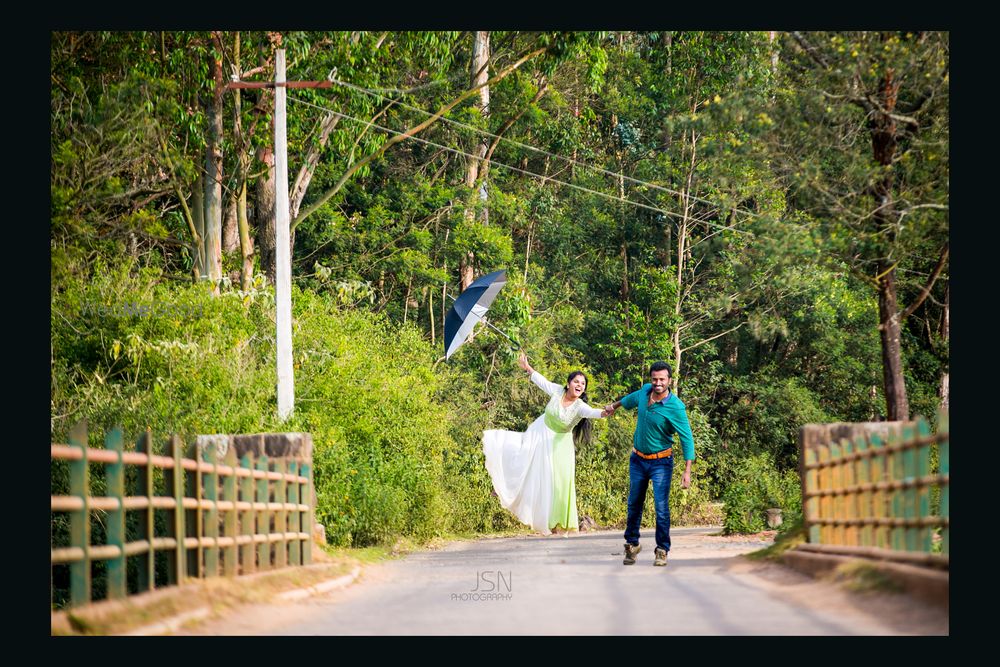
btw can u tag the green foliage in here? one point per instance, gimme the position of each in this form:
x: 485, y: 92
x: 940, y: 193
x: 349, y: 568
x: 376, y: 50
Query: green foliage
x: 367, y: 394
x: 195, y: 364
x: 756, y: 269
x: 755, y: 486
x: 490, y: 245
x: 758, y: 414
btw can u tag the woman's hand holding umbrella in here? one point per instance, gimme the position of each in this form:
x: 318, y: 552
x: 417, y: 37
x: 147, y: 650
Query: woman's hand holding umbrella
x: 522, y: 361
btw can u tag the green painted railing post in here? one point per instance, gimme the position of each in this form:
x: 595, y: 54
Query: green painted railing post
x: 212, y: 521
x: 229, y: 495
x: 195, y: 566
x: 295, y: 546
x: 811, y: 505
x: 924, y: 492
x: 147, y: 530
x: 909, y: 455
x: 825, y: 502
x: 877, y: 470
x: 263, y: 518
x: 943, y: 450
x: 280, y: 519
x: 863, y: 476
x: 848, y: 479
x: 174, y: 478
x: 79, y: 520
x: 308, y: 496
x: 115, y: 479
x: 898, y: 533
x: 247, y: 518
x: 837, y: 501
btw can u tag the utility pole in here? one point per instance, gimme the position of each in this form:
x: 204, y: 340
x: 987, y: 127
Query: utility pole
x: 282, y: 234
x: 282, y: 249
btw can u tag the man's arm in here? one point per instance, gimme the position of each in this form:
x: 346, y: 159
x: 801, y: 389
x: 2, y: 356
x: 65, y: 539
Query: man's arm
x: 629, y: 401
x: 686, y: 479
x: 683, y: 428
x: 679, y: 420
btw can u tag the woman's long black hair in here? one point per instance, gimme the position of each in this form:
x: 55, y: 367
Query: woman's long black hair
x: 583, y: 430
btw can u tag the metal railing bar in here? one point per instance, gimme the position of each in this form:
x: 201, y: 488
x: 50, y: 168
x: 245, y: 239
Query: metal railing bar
x: 928, y: 480
x: 879, y: 451
x: 877, y: 521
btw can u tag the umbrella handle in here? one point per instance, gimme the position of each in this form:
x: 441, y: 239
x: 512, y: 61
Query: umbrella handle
x: 486, y: 322
x: 512, y: 342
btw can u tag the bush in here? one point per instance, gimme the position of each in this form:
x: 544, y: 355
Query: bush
x: 758, y: 414
x: 365, y: 388
x: 367, y: 392
x: 757, y: 485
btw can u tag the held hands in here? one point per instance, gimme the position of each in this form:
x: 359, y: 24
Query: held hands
x: 608, y: 410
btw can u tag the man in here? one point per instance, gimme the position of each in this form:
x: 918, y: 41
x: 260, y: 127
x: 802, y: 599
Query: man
x: 661, y: 414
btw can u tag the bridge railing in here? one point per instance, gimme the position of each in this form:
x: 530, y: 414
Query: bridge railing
x: 224, y: 515
x: 867, y: 489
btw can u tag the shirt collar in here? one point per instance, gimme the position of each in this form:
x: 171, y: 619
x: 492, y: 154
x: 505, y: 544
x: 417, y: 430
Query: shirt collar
x: 663, y: 400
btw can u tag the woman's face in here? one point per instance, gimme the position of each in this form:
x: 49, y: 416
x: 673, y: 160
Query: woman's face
x: 576, y: 386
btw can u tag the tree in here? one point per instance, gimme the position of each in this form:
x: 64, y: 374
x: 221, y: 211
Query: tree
x: 480, y: 74
x: 861, y: 137
x: 125, y: 132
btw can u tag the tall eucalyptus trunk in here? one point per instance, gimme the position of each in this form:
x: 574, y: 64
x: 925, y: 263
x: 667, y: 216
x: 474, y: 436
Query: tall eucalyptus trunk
x: 884, y: 139
x: 683, y: 250
x: 479, y: 76
x: 213, y: 170
x: 265, y: 213
x: 242, y: 223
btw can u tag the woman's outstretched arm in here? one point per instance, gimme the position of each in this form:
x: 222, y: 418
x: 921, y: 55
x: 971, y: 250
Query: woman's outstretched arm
x: 588, y: 412
x: 550, y: 388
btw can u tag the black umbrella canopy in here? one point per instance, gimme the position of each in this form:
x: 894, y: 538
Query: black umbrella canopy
x: 469, y: 308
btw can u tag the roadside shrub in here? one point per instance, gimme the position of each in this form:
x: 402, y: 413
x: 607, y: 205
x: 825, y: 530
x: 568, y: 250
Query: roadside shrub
x: 192, y: 363
x: 367, y: 393
x: 756, y: 486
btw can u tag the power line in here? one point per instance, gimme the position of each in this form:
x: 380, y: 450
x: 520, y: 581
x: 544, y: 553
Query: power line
x: 507, y: 166
x: 512, y: 168
x: 371, y: 92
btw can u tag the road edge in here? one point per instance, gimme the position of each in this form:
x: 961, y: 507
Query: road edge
x: 924, y: 583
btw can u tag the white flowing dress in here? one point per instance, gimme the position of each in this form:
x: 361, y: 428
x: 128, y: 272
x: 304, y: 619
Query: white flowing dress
x: 534, y: 469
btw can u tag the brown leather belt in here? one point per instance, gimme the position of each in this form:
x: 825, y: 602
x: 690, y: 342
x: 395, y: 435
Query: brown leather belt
x: 658, y: 455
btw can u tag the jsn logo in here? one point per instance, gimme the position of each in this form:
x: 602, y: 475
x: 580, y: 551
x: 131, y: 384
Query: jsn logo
x: 489, y: 581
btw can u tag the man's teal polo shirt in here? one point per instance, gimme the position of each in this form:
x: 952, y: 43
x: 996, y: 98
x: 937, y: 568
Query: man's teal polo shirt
x: 657, y: 423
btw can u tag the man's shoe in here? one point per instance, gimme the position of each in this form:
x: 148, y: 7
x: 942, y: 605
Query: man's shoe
x: 631, y: 551
x: 661, y: 556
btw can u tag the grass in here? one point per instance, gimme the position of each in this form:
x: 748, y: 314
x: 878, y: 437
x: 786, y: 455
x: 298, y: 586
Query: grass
x: 856, y: 576
x: 786, y: 540
x: 864, y: 578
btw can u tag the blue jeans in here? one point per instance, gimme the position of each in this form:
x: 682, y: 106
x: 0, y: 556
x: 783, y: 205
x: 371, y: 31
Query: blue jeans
x: 640, y: 473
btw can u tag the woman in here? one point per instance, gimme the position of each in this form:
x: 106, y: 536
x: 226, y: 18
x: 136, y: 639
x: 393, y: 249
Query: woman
x: 534, y: 472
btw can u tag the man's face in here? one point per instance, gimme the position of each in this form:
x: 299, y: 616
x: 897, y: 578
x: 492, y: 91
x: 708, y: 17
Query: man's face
x: 660, y: 381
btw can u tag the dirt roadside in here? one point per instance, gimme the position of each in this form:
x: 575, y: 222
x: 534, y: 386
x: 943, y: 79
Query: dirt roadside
x: 158, y: 612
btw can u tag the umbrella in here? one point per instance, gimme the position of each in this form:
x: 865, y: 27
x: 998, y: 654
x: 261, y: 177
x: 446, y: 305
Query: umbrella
x: 469, y: 308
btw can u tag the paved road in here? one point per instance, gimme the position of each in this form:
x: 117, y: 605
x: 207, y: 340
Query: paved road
x: 578, y: 586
